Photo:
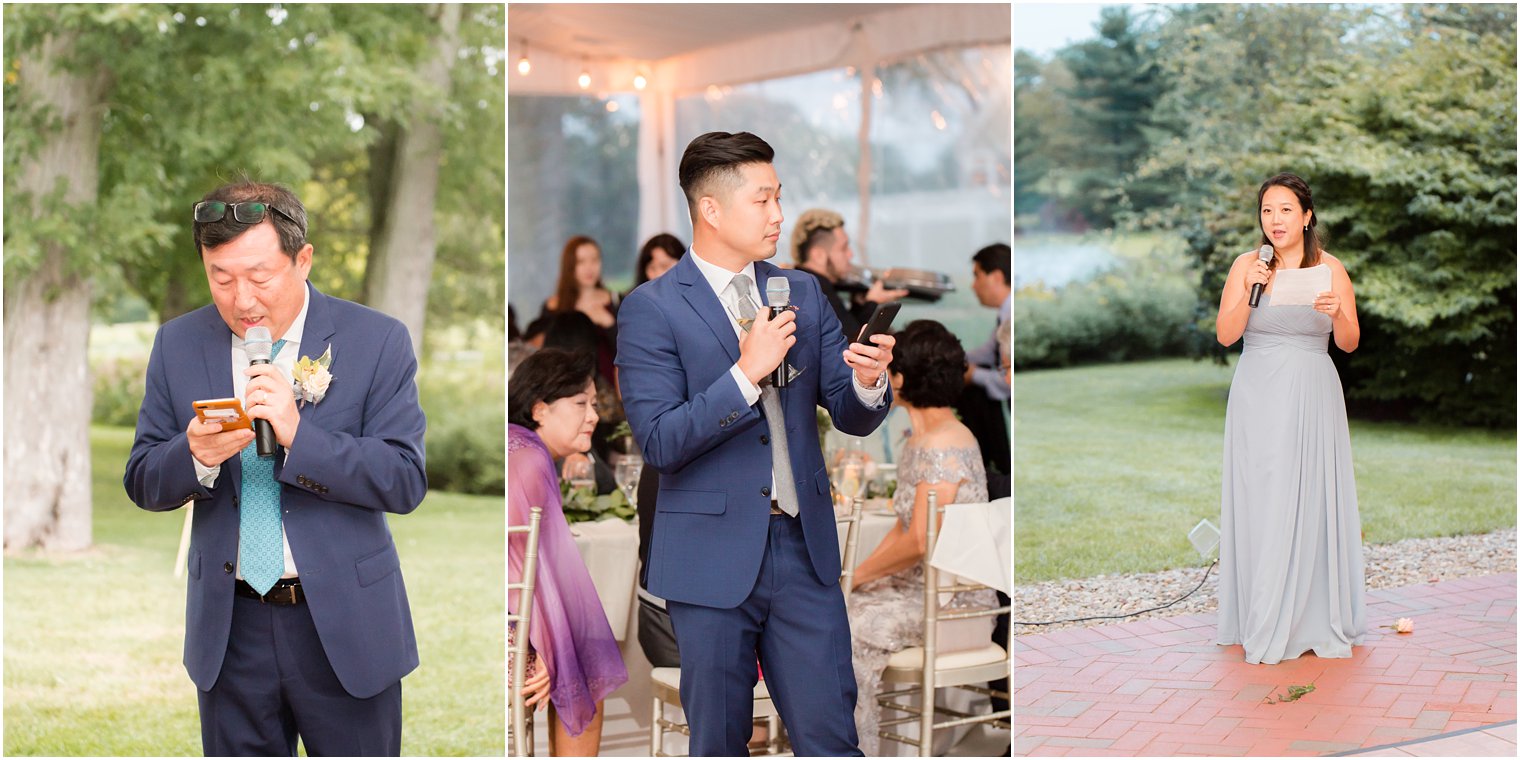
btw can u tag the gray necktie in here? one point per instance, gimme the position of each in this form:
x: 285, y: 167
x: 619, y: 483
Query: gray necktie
x: 770, y: 403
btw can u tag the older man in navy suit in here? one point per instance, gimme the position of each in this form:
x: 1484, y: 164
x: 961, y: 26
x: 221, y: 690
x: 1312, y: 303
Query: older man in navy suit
x: 297, y: 623
x: 745, y: 551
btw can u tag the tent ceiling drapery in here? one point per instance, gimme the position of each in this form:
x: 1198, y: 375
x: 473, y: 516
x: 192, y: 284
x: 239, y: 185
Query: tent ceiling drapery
x: 684, y: 49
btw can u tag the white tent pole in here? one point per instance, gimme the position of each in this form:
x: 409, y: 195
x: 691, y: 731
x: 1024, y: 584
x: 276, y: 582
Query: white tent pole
x: 863, y: 170
x: 662, y: 207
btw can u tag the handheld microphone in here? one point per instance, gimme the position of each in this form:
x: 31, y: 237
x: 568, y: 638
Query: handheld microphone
x: 778, y: 293
x: 259, y: 345
x: 1265, y: 254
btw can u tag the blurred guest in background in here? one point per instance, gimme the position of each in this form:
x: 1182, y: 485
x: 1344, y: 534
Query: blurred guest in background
x: 990, y: 278
x: 984, y: 403
x: 517, y: 345
x: 887, y: 608
x: 821, y: 248
x: 580, y: 290
x: 658, y: 255
x: 551, y: 411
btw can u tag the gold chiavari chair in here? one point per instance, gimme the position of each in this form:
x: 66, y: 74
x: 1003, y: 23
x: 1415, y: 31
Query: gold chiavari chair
x: 520, y: 738
x: 967, y: 669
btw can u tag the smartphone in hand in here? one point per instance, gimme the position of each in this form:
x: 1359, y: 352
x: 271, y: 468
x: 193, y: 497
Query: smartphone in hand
x: 228, y: 411
x: 880, y: 322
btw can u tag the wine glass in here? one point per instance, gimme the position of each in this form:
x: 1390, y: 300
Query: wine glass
x: 578, y: 471
x: 629, y: 470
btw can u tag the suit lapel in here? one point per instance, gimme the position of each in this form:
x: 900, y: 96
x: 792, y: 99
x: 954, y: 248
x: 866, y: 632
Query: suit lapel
x: 317, y: 336
x: 705, y: 302
x: 217, y: 356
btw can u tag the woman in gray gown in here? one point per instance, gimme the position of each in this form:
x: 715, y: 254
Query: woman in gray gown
x: 1290, y: 570
x: 887, y: 606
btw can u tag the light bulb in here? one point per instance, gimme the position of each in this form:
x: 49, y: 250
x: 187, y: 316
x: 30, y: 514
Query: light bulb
x: 639, y: 82
x: 585, y: 79
x: 523, y: 67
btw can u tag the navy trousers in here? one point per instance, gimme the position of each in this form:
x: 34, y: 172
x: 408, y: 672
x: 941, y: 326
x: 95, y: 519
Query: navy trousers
x: 276, y: 684
x: 800, y: 631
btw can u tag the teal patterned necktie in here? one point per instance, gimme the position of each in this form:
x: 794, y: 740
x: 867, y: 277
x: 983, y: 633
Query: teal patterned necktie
x: 261, y: 552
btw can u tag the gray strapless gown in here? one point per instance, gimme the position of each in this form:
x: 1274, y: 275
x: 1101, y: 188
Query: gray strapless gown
x: 1290, y: 552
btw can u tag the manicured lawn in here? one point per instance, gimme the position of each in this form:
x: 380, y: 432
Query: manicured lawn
x: 93, y: 641
x: 1114, y: 464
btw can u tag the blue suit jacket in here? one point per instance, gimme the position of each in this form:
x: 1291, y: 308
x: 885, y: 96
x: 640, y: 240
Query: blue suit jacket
x: 357, y: 455
x: 676, y: 344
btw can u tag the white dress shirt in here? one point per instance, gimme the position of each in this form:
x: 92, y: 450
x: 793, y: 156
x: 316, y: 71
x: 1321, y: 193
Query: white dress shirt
x: 286, y: 361
x: 719, y: 278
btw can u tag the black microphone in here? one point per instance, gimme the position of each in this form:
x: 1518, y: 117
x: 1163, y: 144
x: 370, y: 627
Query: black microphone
x: 778, y: 293
x: 259, y: 346
x: 1265, y: 254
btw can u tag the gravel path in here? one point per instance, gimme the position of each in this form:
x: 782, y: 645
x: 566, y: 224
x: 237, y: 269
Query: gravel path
x: 1402, y: 563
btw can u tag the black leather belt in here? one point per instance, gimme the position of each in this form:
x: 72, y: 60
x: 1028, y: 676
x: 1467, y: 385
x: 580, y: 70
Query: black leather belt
x: 285, y: 591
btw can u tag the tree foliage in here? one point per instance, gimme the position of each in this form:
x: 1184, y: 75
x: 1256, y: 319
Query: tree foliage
x: 1402, y: 120
x: 297, y: 94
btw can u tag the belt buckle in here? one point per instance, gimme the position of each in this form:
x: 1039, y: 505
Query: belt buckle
x: 279, y: 595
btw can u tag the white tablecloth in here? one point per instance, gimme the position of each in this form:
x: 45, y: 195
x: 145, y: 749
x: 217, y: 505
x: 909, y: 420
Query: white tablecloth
x: 610, y: 549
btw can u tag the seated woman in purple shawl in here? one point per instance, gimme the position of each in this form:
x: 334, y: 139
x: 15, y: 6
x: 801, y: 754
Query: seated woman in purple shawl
x: 551, y: 408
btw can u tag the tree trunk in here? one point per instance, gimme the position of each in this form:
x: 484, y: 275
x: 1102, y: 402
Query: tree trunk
x: 47, y: 318
x: 401, y: 263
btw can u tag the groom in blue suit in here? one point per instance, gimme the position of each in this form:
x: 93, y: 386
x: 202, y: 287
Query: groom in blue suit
x: 296, y: 620
x: 745, y: 551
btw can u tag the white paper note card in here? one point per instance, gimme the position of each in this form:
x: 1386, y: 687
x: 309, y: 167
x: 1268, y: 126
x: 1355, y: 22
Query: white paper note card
x: 1299, y: 287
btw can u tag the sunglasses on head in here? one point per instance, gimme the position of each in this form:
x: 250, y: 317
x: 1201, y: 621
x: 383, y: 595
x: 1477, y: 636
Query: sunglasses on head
x: 250, y: 212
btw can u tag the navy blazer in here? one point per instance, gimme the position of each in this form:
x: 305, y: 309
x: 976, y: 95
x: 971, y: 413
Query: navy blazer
x: 357, y: 455
x: 676, y: 344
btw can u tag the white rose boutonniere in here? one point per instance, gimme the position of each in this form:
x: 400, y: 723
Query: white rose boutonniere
x: 312, y: 377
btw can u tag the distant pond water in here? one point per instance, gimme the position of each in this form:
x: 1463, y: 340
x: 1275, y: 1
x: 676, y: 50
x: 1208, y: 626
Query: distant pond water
x: 1059, y: 263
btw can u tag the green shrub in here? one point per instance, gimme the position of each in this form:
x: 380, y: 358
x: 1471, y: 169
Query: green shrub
x: 466, y: 426
x: 119, y: 385
x: 1142, y: 309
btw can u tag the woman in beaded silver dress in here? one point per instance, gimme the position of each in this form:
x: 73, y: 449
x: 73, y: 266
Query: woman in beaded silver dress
x: 887, y: 604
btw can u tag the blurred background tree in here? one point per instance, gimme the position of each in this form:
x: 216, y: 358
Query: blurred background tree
x: 1402, y: 120
x: 387, y: 120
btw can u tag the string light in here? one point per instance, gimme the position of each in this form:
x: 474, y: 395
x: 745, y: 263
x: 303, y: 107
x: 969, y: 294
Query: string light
x: 640, y: 81
x: 523, y: 65
x: 584, y: 80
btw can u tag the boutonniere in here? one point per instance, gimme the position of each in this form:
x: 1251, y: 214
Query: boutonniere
x: 312, y: 377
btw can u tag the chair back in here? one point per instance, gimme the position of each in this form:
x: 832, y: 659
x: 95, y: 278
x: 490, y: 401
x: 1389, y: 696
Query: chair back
x: 851, y: 541
x: 517, y: 656
x: 933, y: 615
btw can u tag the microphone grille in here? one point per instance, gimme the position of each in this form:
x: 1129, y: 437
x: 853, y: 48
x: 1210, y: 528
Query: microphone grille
x: 778, y: 291
x: 1265, y: 253
x: 258, y: 343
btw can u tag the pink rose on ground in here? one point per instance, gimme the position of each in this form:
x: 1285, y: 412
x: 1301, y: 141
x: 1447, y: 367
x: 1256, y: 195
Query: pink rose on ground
x: 1402, y: 625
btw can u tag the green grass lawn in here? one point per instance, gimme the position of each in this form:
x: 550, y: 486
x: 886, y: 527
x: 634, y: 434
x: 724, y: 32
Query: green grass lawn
x: 1114, y: 464
x: 93, y: 641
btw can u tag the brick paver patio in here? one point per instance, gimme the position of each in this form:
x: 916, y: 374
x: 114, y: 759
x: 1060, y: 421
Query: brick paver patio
x: 1162, y: 687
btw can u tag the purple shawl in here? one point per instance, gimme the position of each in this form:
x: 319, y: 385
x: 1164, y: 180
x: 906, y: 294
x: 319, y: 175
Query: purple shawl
x: 569, y: 627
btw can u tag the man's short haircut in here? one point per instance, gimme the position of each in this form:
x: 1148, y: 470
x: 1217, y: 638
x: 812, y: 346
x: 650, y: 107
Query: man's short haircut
x: 292, y: 234
x: 710, y: 165
x: 996, y: 258
x: 814, y: 228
